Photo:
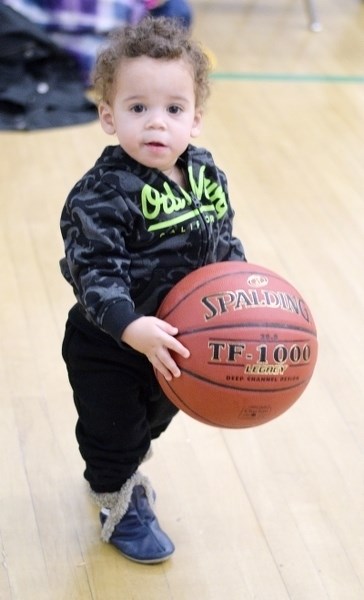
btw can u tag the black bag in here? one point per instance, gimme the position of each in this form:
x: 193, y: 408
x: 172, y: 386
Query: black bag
x: 40, y: 83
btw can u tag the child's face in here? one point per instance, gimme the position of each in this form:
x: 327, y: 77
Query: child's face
x: 153, y: 110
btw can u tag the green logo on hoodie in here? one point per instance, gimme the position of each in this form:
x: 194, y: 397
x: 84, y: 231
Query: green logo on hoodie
x: 183, y: 208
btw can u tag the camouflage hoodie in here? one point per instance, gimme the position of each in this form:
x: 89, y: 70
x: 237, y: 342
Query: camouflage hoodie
x: 131, y: 233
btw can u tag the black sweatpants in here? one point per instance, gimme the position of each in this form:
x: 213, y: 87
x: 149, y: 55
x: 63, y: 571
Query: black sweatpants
x: 120, y: 405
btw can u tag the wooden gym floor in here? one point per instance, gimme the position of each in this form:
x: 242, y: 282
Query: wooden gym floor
x: 271, y: 513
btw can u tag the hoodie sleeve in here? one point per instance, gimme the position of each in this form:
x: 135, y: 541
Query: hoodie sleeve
x: 95, y: 223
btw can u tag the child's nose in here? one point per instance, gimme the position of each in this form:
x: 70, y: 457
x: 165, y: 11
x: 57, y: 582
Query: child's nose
x: 156, y: 120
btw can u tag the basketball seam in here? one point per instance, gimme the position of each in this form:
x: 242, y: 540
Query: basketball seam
x: 212, y: 279
x: 258, y: 324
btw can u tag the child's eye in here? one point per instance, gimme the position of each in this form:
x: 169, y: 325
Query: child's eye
x: 138, y: 108
x: 174, y: 109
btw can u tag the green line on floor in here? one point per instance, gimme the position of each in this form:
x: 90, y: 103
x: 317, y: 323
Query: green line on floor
x: 288, y: 77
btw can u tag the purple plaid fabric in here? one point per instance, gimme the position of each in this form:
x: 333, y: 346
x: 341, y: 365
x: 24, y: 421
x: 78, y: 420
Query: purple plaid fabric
x: 80, y: 16
x: 80, y: 26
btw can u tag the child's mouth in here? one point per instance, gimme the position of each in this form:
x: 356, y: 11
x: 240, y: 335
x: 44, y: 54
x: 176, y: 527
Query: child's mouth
x: 156, y: 144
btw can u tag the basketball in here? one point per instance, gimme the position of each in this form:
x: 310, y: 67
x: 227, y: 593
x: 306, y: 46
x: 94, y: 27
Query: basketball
x: 252, y: 342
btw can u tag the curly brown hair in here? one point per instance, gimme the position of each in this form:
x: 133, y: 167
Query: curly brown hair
x: 156, y: 38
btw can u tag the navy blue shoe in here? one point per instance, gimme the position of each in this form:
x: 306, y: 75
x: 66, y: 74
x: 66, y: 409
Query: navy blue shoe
x: 138, y: 535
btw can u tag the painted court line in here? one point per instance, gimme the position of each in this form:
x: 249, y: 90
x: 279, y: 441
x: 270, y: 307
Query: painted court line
x: 289, y: 77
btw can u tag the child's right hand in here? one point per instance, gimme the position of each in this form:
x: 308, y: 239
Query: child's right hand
x: 155, y: 338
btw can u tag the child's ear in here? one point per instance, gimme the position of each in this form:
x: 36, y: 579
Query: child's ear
x: 197, y: 122
x: 106, y: 118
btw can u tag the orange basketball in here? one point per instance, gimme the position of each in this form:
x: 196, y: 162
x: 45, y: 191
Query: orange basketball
x: 252, y: 340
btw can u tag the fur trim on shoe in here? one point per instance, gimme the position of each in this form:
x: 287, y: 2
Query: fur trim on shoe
x: 118, y: 502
